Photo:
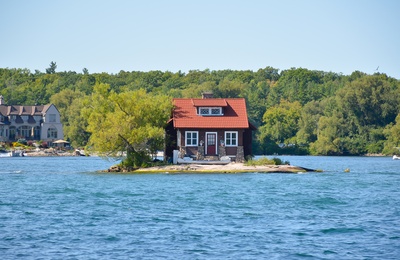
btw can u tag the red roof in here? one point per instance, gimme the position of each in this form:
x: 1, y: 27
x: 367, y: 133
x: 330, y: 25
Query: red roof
x: 209, y: 102
x: 234, y: 113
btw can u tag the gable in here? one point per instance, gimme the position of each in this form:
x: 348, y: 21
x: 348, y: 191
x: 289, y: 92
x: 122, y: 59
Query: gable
x: 234, y: 113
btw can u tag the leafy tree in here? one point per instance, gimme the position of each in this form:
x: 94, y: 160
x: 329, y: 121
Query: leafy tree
x: 70, y: 103
x: 281, y: 122
x: 308, y: 122
x: 373, y: 100
x: 329, y: 141
x: 127, y: 122
x: 392, y: 133
x: 76, y: 129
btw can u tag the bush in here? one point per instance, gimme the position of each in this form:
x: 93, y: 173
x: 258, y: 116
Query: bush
x: 265, y: 161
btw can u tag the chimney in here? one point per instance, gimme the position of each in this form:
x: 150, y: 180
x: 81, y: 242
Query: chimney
x: 1, y: 100
x: 207, y: 95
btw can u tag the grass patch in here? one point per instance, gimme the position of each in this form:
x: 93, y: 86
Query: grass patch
x: 265, y: 161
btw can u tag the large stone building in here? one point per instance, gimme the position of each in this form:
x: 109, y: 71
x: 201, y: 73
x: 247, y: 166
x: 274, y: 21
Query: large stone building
x: 29, y: 122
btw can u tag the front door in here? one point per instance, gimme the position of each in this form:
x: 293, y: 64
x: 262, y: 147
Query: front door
x: 211, y: 143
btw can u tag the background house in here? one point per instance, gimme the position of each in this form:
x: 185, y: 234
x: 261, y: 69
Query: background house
x: 209, y: 127
x: 30, y: 123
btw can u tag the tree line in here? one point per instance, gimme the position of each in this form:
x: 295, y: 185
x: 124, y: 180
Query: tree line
x: 296, y: 111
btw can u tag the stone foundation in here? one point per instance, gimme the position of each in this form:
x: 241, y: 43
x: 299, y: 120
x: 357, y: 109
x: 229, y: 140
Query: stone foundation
x: 240, y: 154
x: 200, y: 153
x: 222, y: 151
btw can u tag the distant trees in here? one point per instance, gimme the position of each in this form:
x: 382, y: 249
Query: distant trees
x: 320, y: 112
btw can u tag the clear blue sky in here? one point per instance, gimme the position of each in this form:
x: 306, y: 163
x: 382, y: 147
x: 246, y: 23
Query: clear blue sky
x: 108, y: 36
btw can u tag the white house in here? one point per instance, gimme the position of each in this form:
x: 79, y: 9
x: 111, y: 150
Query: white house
x: 29, y: 122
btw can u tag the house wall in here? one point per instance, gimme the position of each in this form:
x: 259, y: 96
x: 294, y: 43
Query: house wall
x: 230, y: 150
x: 48, y: 122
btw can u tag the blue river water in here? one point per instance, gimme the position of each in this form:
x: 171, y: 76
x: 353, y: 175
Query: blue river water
x: 62, y: 208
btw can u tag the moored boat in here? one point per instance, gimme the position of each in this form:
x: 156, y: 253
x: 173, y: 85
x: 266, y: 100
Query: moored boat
x: 396, y: 157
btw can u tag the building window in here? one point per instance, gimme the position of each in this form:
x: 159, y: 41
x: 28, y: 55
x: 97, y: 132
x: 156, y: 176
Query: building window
x: 204, y: 111
x: 24, y: 131
x: 192, y: 138
x: 210, y: 111
x: 52, y: 118
x: 216, y: 111
x: 12, y: 133
x: 36, y: 133
x: 51, y: 133
x: 231, y: 138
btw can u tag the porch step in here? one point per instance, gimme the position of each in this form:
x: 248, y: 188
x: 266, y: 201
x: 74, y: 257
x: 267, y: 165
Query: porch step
x: 211, y: 158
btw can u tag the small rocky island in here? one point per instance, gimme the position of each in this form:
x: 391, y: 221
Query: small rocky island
x: 210, y: 168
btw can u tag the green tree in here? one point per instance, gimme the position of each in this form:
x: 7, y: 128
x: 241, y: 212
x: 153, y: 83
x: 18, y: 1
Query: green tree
x: 70, y: 103
x: 308, y: 123
x: 128, y: 122
x: 281, y: 122
x: 329, y: 141
x: 392, y: 134
x: 52, y: 68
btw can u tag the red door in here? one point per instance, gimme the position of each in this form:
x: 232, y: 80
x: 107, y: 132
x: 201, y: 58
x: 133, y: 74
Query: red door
x: 211, y: 142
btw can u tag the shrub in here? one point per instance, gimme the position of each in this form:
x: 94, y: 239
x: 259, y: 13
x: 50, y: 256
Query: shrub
x: 265, y: 161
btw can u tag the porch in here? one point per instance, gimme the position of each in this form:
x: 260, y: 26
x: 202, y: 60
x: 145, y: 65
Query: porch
x: 198, y: 153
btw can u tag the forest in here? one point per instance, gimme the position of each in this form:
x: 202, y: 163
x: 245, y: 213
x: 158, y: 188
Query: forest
x: 296, y: 111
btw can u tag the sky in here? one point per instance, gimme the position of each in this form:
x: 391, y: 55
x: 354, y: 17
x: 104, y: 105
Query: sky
x: 340, y: 36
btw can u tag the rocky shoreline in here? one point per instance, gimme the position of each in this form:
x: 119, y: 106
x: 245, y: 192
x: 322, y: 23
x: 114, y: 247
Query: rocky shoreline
x: 202, y: 168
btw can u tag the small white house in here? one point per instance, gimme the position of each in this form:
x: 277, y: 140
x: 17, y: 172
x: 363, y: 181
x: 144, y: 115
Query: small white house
x: 30, y: 123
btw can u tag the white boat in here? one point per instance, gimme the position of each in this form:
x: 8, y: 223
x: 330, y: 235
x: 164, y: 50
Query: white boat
x: 16, y: 153
x: 396, y: 157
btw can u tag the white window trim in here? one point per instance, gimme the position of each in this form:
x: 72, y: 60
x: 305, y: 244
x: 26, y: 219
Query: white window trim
x: 209, y: 110
x: 186, y: 138
x: 237, y: 138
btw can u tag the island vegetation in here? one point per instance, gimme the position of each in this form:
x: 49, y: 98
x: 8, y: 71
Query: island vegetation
x: 296, y: 111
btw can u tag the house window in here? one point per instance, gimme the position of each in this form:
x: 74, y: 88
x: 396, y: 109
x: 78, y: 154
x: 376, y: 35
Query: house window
x: 52, y: 118
x: 36, y: 133
x: 204, y: 111
x: 213, y: 111
x: 51, y: 133
x: 192, y: 138
x: 231, y: 138
x: 216, y: 111
x: 24, y: 131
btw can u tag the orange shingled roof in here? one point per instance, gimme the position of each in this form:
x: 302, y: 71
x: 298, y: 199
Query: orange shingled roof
x: 209, y: 102
x: 235, y: 113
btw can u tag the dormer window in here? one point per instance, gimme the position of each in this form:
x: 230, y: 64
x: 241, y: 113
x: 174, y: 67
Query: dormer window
x: 210, y: 111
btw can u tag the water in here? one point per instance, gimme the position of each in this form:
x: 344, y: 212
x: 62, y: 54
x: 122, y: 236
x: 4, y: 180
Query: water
x: 61, y: 208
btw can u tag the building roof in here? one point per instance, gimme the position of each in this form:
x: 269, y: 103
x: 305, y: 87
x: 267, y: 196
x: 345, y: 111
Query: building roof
x: 24, y: 110
x: 209, y: 102
x: 234, y: 109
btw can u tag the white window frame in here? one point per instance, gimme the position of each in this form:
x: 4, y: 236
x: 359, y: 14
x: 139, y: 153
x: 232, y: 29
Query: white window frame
x: 230, y: 138
x: 210, y: 109
x: 196, y: 143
